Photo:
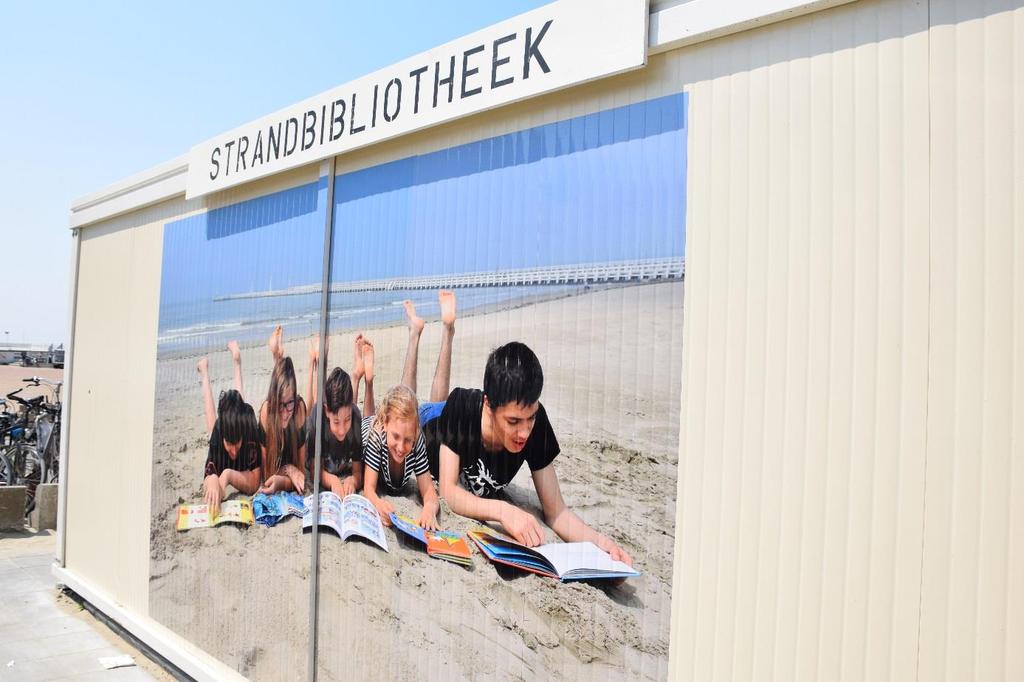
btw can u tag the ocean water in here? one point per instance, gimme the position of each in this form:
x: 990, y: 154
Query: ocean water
x: 203, y: 325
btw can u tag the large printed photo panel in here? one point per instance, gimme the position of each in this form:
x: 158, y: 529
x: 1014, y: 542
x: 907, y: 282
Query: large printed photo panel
x: 508, y: 316
x: 227, y: 572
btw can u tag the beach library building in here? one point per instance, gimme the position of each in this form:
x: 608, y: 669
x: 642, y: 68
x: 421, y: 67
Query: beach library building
x: 730, y: 291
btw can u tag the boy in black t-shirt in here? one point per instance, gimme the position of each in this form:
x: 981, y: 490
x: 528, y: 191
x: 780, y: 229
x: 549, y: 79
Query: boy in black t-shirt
x: 341, y: 443
x: 478, y: 441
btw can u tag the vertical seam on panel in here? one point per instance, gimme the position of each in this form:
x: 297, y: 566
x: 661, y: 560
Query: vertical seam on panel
x: 928, y: 351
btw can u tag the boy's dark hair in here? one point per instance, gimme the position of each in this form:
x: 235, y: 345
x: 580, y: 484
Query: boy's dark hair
x: 236, y: 418
x: 337, y: 390
x: 512, y: 375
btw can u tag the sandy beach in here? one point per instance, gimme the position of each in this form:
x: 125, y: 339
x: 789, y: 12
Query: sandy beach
x: 612, y: 364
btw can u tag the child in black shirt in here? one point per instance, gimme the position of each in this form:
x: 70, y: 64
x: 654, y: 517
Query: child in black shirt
x: 233, y: 457
x: 479, y: 440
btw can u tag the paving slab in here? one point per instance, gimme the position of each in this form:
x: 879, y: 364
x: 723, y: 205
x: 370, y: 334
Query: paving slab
x: 47, y: 636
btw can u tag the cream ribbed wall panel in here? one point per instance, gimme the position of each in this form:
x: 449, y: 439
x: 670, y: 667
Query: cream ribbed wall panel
x: 972, y: 611
x: 801, y: 481
x: 110, y: 458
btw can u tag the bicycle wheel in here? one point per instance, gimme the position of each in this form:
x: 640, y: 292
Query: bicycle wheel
x: 28, y: 471
x: 6, y: 470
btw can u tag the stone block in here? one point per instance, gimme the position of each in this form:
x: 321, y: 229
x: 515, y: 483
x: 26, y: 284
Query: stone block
x: 12, y: 507
x: 44, y: 516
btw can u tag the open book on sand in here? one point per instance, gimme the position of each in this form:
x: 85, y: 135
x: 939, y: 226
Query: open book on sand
x: 198, y: 515
x: 442, y: 544
x: 562, y: 560
x: 354, y: 515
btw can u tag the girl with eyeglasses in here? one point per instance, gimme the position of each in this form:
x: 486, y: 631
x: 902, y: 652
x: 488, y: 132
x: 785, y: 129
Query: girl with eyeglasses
x: 282, y: 427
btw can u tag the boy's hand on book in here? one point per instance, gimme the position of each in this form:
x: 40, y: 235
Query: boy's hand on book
x: 617, y: 553
x: 384, y: 510
x: 212, y: 493
x: 346, y: 487
x: 523, y: 526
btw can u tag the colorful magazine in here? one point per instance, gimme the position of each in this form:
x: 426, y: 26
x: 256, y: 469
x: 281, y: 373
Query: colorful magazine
x: 269, y: 509
x: 441, y: 544
x: 562, y: 560
x: 355, y: 515
x: 198, y: 515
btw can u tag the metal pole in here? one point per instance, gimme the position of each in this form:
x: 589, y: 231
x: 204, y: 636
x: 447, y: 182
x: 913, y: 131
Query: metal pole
x: 314, y: 587
x: 65, y: 416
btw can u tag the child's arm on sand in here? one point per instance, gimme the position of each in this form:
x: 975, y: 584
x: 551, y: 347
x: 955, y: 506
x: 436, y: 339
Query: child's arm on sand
x: 247, y: 482
x: 521, y: 525
x: 428, y: 517
x: 383, y: 507
x: 564, y: 521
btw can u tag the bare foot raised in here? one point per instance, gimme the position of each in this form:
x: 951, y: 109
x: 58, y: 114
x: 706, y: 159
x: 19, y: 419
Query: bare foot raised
x: 202, y: 367
x: 236, y: 354
x: 415, y: 321
x: 314, y: 348
x: 447, y: 301
x: 367, y: 356
x: 358, y: 369
x: 274, y: 343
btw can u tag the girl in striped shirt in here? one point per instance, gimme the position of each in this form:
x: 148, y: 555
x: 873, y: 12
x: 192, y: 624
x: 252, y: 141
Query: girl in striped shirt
x: 394, y: 453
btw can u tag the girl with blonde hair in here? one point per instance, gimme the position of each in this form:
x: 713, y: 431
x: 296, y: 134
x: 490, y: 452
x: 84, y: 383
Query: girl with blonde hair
x: 394, y: 453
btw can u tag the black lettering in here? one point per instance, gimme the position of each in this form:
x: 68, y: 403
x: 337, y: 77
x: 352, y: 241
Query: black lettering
x: 291, y: 131
x: 339, y: 119
x: 532, y: 52
x: 323, y: 117
x: 495, y: 62
x: 416, y: 100
x: 308, y: 129
x: 215, y: 160
x: 373, y: 116
x: 257, y: 149
x: 352, y: 129
x: 227, y: 160
x: 243, y: 147
x: 466, y: 73
x: 274, y: 142
x: 397, y: 84
x: 449, y: 81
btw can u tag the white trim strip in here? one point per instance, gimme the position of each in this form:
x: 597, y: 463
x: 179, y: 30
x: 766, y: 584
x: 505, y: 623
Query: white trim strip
x: 178, y: 651
x: 700, y: 20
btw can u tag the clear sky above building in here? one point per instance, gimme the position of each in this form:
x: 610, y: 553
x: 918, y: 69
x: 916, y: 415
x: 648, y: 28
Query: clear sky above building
x: 95, y: 92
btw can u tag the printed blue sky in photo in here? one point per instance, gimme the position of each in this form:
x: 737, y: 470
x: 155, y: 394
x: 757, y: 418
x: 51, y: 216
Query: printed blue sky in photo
x: 609, y: 186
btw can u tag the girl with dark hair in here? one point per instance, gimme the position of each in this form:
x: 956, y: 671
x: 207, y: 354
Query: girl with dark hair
x: 283, y: 430
x: 233, y: 457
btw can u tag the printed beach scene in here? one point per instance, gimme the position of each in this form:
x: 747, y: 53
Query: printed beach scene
x: 567, y: 237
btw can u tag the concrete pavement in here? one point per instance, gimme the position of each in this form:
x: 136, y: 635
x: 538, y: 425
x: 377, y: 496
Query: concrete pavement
x: 45, y: 635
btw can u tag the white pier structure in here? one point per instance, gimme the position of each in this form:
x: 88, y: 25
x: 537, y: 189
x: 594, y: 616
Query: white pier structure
x: 636, y: 271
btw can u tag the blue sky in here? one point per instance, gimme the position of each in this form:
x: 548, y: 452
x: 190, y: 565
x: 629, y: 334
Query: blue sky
x: 95, y: 92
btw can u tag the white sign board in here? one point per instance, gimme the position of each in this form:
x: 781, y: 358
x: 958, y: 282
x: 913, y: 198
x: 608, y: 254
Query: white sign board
x: 565, y: 43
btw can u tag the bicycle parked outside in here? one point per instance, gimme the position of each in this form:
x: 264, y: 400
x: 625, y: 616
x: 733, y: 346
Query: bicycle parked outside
x: 31, y: 440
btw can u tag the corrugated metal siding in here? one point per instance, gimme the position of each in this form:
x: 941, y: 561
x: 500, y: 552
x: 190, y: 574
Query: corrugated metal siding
x: 802, y: 469
x: 972, y: 611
